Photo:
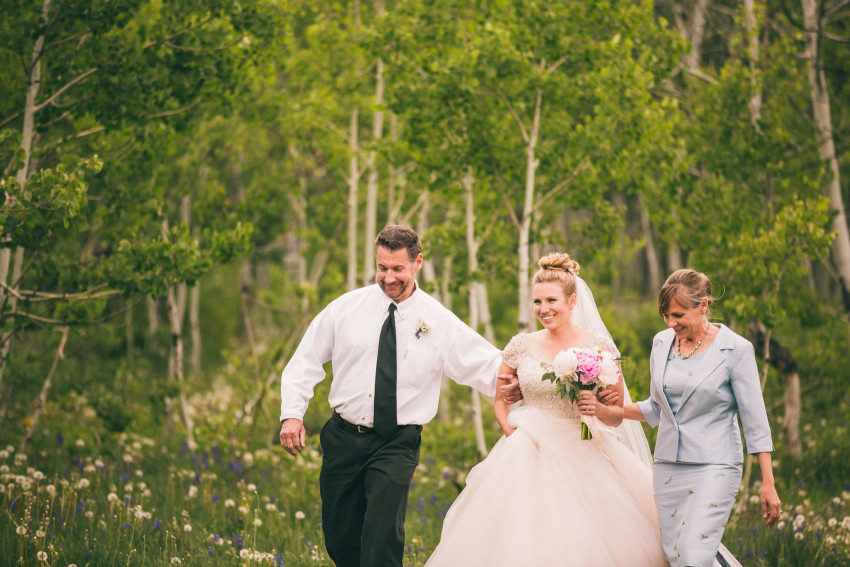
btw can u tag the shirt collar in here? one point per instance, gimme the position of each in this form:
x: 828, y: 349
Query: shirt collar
x: 405, y: 306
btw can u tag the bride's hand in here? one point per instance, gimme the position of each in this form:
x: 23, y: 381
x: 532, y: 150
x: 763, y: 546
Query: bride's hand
x: 587, y: 403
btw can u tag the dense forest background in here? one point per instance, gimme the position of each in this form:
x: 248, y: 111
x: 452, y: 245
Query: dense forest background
x: 186, y: 184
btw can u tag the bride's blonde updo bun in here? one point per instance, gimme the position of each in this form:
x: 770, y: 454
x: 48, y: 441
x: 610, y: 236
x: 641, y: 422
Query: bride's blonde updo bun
x: 560, y: 268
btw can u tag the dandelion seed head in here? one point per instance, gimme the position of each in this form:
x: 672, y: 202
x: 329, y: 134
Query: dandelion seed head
x: 80, y: 443
x: 187, y: 528
x: 299, y: 515
x: 41, y: 556
x: 258, y: 522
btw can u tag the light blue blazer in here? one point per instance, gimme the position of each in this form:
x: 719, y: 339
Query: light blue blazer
x: 705, y: 429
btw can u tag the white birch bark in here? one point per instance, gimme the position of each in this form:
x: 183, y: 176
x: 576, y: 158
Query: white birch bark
x: 653, y: 264
x: 128, y: 329
x: 525, y: 317
x: 393, y: 175
x: 751, y: 23
x: 372, y: 177
x: 696, y: 32
x: 826, y: 143
x: 152, y: 306
x: 22, y: 176
x: 176, y: 359
x: 474, y: 300
x: 353, y: 181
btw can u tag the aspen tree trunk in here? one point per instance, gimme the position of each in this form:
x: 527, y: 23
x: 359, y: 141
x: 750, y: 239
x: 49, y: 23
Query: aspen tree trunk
x: 446, y: 295
x: 195, y: 291
x: 17, y: 268
x: 653, y: 264
x: 195, y: 328
x: 176, y: 362
x: 128, y: 330
x: 474, y: 300
x: 28, y: 134
x: 372, y: 178
x: 774, y: 353
x: 353, y: 181
x: 153, y: 314
x: 751, y: 23
x: 393, y: 175
x: 353, y: 178
x: 826, y: 143
x: 696, y: 25
x: 525, y: 317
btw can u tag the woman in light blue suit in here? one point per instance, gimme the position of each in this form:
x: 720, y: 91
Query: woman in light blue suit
x: 703, y: 374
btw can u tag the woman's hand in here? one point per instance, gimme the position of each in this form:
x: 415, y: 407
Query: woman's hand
x: 771, y: 507
x: 589, y: 405
x: 608, y: 396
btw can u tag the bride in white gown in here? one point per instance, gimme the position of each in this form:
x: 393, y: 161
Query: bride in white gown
x: 543, y: 496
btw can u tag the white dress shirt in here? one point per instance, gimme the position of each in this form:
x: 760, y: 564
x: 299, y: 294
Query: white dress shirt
x: 347, y: 333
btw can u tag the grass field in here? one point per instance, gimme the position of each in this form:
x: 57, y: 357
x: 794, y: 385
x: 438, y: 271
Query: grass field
x: 135, y: 501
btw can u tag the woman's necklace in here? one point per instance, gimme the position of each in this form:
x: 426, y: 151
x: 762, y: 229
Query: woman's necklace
x: 687, y: 356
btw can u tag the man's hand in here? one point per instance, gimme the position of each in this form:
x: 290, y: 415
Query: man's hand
x: 509, y: 388
x: 608, y: 396
x: 292, y: 435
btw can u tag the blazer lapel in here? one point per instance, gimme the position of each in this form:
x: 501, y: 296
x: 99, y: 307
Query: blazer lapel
x: 661, y: 353
x: 714, y: 358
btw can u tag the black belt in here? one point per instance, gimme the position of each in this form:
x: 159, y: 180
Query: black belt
x: 352, y: 426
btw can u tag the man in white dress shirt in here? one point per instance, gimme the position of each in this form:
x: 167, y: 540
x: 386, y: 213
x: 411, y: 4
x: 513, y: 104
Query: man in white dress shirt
x: 365, y: 477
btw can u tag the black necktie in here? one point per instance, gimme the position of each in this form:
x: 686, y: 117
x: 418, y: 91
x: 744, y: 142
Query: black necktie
x: 385, y: 378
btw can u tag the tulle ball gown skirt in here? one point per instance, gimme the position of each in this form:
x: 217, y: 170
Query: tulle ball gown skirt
x: 544, y: 497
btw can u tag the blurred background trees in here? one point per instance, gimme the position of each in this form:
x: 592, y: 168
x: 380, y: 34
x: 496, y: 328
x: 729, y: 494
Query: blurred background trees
x: 187, y: 184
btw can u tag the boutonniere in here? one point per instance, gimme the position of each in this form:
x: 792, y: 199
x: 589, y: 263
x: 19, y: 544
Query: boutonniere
x: 423, y: 329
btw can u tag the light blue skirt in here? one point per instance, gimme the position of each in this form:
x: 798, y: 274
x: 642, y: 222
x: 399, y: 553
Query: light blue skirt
x: 693, y: 503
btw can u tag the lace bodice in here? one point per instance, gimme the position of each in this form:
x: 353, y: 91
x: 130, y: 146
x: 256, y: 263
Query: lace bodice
x: 537, y: 392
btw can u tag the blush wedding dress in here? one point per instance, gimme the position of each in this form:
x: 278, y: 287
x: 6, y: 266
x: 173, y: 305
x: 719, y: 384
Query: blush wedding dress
x: 544, y: 496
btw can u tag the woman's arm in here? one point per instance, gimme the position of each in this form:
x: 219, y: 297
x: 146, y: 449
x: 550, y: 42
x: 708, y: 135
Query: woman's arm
x: 500, y: 407
x: 771, y: 506
x: 632, y: 411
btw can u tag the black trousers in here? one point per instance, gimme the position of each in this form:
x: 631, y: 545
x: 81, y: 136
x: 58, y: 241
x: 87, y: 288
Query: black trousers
x: 364, y: 482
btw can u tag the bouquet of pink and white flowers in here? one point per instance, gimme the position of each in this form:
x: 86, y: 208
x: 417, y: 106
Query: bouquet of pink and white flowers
x: 577, y: 369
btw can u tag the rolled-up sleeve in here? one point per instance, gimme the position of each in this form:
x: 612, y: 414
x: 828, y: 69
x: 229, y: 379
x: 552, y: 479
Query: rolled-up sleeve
x: 304, y: 370
x: 747, y: 389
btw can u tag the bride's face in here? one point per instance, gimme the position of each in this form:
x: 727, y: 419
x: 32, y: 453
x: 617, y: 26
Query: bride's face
x: 551, y: 306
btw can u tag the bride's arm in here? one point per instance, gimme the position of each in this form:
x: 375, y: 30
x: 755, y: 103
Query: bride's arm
x: 500, y: 407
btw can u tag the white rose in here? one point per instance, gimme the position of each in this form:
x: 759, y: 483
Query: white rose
x: 608, y: 370
x: 565, y: 363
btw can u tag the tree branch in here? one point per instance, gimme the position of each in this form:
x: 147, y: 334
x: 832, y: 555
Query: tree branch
x: 700, y: 75
x: 178, y: 34
x: 514, y: 114
x: 175, y: 111
x: 58, y: 93
x: 6, y: 121
x: 203, y: 49
x: 560, y: 186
